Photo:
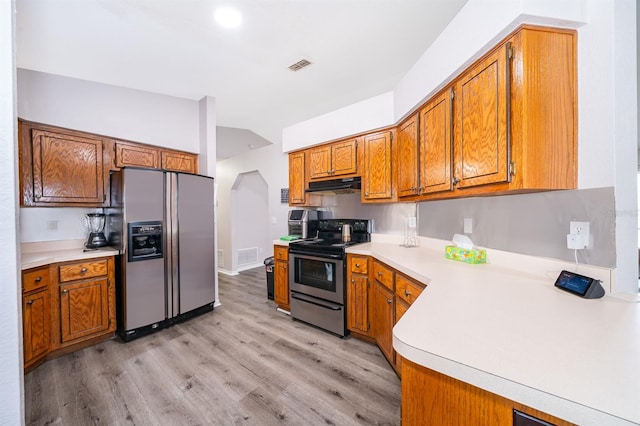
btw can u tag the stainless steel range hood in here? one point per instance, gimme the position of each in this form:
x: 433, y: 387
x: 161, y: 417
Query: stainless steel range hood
x: 336, y: 186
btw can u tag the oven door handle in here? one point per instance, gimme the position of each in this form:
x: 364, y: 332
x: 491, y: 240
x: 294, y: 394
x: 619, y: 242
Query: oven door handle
x: 315, y: 254
x: 317, y: 302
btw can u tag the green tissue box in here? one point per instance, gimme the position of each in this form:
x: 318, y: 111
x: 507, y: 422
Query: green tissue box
x: 465, y: 255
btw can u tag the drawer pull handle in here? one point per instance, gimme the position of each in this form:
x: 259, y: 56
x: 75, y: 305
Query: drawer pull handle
x: 407, y: 293
x: 83, y: 270
x: 29, y: 302
x: 379, y: 274
x: 38, y: 279
x: 284, y: 266
x: 389, y: 300
x: 357, y: 265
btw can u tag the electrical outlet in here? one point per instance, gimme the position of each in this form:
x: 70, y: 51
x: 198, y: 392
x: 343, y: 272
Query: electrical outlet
x: 579, y: 234
x: 468, y: 225
x: 411, y: 221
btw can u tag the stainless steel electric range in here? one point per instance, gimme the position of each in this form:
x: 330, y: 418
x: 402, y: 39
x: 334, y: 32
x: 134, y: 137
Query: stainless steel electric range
x: 317, y: 273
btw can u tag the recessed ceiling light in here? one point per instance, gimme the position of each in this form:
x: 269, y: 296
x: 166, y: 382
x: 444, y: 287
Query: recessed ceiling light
x: 228, y: 17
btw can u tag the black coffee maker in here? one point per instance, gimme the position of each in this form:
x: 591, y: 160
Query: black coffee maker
x: 94, y: 224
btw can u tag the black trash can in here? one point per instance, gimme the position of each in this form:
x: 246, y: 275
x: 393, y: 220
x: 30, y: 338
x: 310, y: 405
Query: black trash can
x: 268, y: 263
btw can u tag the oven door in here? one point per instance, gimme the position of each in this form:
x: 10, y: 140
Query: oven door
x: 317, y: 276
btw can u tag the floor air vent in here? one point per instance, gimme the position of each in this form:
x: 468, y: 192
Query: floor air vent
x: 220, y: 258
x: 247, y: 256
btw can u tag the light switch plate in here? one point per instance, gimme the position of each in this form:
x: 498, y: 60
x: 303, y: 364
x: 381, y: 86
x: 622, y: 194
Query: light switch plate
x: 468, y: 225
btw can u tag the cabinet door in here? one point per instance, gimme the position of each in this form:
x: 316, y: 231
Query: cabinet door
x: 408, y: 153
x: 179, y: 161
x: 84, y: 308
x: 435, y: 145
x: 320, y: 162
x: 344, y: 158
x: 480, y: 149
x: 129, y: 154
x: 377, y: 178
x: 357, y: 304
x: 296, y: 178
x: 36, y: 324
x: 281, y: 284
x: 382, y: 310
x: 66, y: 168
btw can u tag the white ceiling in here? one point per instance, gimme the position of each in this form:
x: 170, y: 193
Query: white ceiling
x: 358, y: 49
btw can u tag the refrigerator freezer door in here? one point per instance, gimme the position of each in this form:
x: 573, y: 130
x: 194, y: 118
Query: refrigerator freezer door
x: 143, y: 286
x: 196, y: 239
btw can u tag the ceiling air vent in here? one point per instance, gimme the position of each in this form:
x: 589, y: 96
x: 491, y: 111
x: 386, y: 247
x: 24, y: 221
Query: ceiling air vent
x: 299, y: 65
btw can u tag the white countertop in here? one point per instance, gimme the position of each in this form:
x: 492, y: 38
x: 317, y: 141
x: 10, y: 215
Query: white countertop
x: 44, y: 253
x: 505, y: 328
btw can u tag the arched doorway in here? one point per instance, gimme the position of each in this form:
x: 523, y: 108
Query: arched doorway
x: 249, y: 220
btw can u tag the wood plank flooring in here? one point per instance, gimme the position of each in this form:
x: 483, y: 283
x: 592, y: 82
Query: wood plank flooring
x: 242, y: 364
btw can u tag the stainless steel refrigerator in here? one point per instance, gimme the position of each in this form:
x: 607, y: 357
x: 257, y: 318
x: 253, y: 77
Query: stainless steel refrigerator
x: 163, y: 225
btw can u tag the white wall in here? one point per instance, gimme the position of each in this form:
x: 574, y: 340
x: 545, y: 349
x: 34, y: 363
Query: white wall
x: 607, y: 92
x: 372, y: 113
x: 273, y: 166
x: 11, y: 376
x: 112, y: 111
x: 109, y: 110
x: 250, y: 212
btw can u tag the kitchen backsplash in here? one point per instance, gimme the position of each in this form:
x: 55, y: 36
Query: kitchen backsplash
x: 534, y: 224
x: 37, y: 223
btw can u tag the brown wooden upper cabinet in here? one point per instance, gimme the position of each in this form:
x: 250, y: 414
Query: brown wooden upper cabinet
x: 297, y: 181
x: 61, y: 167
x: 425, y: 149
x: 133, y: 154
x: 334, y: 159
x: 514, y: 116
x: 377, y: 177
x: 505, y: 124
x: 179, y: 161
x: 140, y: 155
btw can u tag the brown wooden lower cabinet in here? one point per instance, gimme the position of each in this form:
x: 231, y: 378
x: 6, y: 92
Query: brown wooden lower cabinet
x: 67, y: 306
x: 431, y: 398
x: 36, y: 317
x: 382, y: 314
x: 281, y: 277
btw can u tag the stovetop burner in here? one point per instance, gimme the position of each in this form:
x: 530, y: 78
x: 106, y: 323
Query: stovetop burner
x: 329, y: 239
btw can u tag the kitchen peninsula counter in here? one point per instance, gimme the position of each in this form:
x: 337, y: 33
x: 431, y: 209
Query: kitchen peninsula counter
x: 504, y: 327
x: 47, y: 252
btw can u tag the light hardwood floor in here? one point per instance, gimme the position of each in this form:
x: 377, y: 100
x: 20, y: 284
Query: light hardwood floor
x: 243, y: 363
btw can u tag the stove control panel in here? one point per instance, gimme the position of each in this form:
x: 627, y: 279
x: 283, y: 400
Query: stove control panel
x: 357, y: 225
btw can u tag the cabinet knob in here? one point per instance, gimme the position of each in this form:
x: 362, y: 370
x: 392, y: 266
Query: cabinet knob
x: 379, y: 274
x: 407, y: 293
x: 29, y: 302
x: 366, y: 194
x: 284, y: 266
x: 389, y: 300
x: 455, y: 181
x: 83, y: 270
x: 38, y: 279
x: 357, y: 265
x: 65, y: 291
x: 352, y: 280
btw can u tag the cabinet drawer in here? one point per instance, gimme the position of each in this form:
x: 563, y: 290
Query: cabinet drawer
x: 407, y: 289
x: 359, y: 264
x: 82, y: 270
x: 383, y: 274
x: 35, y: 278
x: 280, y: 253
